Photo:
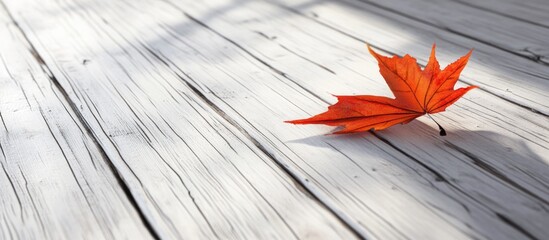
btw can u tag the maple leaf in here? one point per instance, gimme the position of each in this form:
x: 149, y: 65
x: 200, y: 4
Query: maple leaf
x: 417, y: 92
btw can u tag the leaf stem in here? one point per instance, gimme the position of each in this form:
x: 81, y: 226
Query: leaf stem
x: 442, y: 131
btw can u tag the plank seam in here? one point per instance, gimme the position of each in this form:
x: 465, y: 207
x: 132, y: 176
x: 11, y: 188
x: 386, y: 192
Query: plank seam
x: 124, y: 186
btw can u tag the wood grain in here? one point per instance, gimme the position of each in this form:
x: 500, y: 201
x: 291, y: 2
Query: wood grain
x: 193, y: 174
x: 55, y: 181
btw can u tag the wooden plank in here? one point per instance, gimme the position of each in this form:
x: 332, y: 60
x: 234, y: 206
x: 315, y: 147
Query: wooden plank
x: 503, y: 74
x: 55, y: 181
x: 518, y: 37
x: 193, y: 174
x: 465, y: 185
x: 530, y: 11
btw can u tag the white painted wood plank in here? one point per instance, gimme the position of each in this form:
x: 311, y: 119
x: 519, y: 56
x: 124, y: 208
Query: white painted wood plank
x: 365, y: 179
x: 54, y: 181
x: 193, y: 174
x: 519, y: 37
x: 501, y: 73
x: 530, y: 11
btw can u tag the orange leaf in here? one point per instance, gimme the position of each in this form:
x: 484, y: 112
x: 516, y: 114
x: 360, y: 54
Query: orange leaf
x: 417, y: 92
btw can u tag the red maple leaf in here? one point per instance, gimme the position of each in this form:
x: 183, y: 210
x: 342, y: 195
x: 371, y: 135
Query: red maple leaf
x: 417, y: 92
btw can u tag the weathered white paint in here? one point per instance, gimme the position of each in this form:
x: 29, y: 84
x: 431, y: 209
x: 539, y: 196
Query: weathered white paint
x: 54, y: 181
x: 257, y: 64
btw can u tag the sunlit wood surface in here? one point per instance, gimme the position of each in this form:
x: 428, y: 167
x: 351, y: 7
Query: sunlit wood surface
x: 144, y: 119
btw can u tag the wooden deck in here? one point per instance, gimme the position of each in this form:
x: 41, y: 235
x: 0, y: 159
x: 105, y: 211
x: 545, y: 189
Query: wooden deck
x: 143, y: 119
